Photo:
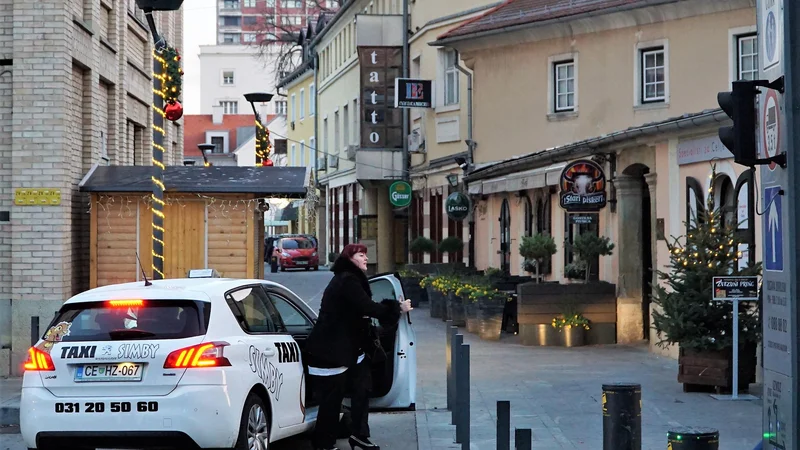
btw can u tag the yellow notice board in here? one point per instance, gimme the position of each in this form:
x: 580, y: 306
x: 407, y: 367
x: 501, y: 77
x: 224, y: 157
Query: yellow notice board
x: 37, y: 197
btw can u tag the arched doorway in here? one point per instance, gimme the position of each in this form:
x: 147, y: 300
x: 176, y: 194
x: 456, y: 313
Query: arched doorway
x: 505, y: 237
x: 725, y: 200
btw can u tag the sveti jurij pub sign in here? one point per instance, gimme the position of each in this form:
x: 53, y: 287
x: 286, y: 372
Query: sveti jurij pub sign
x: 583, y: 187
x: 382, y: 122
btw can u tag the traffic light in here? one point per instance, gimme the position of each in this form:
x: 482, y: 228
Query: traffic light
x: 740, y: 106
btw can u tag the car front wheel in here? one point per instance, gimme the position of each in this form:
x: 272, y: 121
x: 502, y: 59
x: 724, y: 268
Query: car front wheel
x: 254, y: 427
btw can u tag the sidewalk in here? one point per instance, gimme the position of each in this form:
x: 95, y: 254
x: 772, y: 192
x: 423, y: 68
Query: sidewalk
x: 10, y: 389
x: 557, y: 393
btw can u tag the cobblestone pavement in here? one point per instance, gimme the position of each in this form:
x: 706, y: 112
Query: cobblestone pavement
x: 557, y: 393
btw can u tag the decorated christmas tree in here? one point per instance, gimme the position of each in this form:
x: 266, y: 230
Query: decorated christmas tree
x: 687, y: 315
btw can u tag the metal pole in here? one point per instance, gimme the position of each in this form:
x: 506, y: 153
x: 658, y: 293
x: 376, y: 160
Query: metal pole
x: 523, y: 438
x: 463, y: 399
x: 406, y: 128
x: 735, y: 387
x: 622, y: 416
x: 157, y: 205
x: 791, y: 64
x: 448, y: 355
x: 693, y: 438
x: 455, y: 344
x: 504, y: 425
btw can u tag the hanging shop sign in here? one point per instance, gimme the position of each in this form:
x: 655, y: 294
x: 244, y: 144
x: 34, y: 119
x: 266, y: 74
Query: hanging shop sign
x: 381, y: 122
x: 400, y: 194
x: 413, y: 93
x: 457, y: 206
x: 583, y: 187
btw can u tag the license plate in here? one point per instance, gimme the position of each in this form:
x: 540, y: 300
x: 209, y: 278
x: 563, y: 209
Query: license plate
x: 109, y: 372
x: 302, y: 263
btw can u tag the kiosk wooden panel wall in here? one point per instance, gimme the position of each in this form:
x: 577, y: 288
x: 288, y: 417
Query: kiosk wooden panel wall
x: 112, y: 241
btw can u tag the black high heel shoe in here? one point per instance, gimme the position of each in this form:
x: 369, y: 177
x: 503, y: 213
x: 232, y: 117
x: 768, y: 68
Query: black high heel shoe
x: 362, y: 443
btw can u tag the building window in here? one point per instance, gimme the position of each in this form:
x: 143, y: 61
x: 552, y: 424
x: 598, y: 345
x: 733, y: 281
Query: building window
x: 302, y: 104
x: 312, y: 147
x: 292, y: 3
x: 270, y: 3
x: 250, y: 20
x: 573, y: 230
x: 229, y: 21
x: 564, y: 85
x: 346, y: 125
x: 219, y: 144
x: 747, y: 57
x: 653, y: 75
x: 330, y: 4
x: 294, y: 107
x: 302, y: 154
x: 280, y: 107
x: 527, y: 216
x: 294, y: 155
x: 231, y: 4
x: 229, y: 107
x: 227, y: 78
x: 450, y: 78
x: 249, y: 3
x: 230, y: 38
x: 249, y: 37
x: 312, y: 100
x: 291, y: 20
x: 325, y: 137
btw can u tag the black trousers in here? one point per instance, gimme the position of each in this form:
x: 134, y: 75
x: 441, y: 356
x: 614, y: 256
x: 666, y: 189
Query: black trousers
x: 356, y: 383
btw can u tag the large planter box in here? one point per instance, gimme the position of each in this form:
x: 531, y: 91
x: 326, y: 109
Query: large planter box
x: 437, y: 302
x: 455, y: 310
x: 471, y: 311
x: 489, y: 317
x: 539, y: 303
x: 413, y: 291
x: 698, y: 369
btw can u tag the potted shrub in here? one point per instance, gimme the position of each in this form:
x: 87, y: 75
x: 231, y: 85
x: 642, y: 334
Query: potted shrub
x: 470, y: 304
x: 410, y: 280
x: 490, y: 305
x: 536, y: 249
x: 422, y: 245
x: 451, y: 245
x: 588, y: 247
x: 572, y: 328
x: 685, y: 314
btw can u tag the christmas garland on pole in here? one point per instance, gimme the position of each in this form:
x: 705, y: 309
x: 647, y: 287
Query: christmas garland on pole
x: 171, y: 87
x: 263, y: 146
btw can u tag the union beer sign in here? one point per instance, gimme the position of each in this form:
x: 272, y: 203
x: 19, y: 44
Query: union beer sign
x: 583, y: 187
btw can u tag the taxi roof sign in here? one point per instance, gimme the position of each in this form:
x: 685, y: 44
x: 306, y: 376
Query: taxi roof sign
x: 203, y: 273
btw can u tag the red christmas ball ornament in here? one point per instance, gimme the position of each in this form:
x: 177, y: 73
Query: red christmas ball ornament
x: 174, y: 111
x: 268, y: 163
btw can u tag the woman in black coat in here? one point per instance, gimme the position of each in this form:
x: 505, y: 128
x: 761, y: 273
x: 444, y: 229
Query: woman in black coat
x: 339, y: 345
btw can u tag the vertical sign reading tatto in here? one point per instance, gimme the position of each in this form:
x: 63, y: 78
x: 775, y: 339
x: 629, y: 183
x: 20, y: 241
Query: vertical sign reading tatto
x: 381, y: 122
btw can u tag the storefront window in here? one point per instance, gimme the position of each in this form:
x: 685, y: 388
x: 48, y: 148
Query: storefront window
x: 527, y: 215
x: 543, y: 225
x: 577, y: 224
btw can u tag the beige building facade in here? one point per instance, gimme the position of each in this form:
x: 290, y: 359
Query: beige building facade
x: 75, y: 91
x: 632, y: 88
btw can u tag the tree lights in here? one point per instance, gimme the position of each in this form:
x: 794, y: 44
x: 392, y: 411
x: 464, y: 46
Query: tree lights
x: 263, y: 146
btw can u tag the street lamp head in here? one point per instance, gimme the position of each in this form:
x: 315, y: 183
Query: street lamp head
x: 206, y: 147
x: 453, y: 179
x: 159, y: 5
x: 258, y: 97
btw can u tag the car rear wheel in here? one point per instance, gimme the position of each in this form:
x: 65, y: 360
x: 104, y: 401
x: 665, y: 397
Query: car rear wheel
x: 254, y: 427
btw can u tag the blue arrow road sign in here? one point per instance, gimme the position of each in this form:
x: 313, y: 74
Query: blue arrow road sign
x: 773, y: 224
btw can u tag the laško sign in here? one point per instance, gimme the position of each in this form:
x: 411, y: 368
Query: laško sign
x: 457, y: 206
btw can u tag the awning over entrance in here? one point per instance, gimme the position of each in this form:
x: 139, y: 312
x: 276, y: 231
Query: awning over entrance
x: 286, y: 182
x: 530, y: 179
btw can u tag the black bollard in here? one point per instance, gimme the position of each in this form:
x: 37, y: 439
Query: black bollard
x: 455, y: 345
x: 503, y: 425
x: 273, y: 264
x: 463, y: 397
x: 451, y: 331
x: 34, y: 330
x: 622, y: 416
x: 523, y: 439
x: 693, y: 438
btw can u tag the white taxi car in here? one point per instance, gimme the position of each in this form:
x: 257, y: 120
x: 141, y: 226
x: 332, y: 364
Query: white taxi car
x: 189, y: 363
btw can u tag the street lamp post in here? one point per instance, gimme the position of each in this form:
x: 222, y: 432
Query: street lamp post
x: 204, y: 150
x: 148, y: 6
x: 262, y: 134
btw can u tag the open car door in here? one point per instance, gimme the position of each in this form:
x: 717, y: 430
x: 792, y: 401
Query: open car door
x: 394, y: 381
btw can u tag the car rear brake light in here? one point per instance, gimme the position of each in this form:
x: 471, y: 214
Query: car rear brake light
x: 125, y: 303
x: 208, y: 354
x: 38, y: 361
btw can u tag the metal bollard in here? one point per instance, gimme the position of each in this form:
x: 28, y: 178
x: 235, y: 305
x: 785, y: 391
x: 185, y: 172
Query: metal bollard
x: 523, y: 439
x: 693, y: 438
x: 503, y: 425
x: 463, y: 397
x: 455, y: 344
x: 450, y: 331
x: 35, y: 330
x: 622, y: 416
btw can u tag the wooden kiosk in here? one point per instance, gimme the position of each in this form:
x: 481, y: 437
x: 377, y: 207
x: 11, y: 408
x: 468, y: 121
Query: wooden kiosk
x: 213, y: 219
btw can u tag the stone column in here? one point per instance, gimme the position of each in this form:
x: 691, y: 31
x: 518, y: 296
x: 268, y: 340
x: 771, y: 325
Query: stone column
x: 651, y: 180
x: 629, y: 249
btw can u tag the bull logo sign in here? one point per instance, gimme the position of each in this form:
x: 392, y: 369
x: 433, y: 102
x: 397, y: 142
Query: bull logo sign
x: 583, y: 187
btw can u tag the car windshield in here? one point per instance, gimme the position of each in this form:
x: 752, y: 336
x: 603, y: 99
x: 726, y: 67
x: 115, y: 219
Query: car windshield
x: 129, y: 319
x: 293, y: 244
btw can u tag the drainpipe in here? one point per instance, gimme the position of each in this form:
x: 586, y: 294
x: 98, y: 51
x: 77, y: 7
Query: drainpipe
x: 406, y: 127
x: 470, y: 158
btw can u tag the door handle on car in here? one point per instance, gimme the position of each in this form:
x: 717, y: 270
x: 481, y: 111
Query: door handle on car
x: 268, y: 352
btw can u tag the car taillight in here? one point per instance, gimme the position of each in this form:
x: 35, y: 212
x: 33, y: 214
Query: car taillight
x: 38, y: 361
x: 209, y: 354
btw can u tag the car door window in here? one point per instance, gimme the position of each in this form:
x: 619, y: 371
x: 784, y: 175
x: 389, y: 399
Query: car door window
x: 254, y: 310
x: 382, y: 289
x: 293, y: 318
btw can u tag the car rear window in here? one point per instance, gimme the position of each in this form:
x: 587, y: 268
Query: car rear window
x: 296, y: 243
x: 129, y: 320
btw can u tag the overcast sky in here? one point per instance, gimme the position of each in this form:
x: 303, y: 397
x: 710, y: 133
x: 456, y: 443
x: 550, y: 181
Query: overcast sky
x: 198, y: 29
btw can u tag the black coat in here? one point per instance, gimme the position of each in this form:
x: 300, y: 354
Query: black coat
x: 342, y: 331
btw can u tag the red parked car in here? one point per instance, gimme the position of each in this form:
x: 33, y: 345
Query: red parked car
x: 297, y: 253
